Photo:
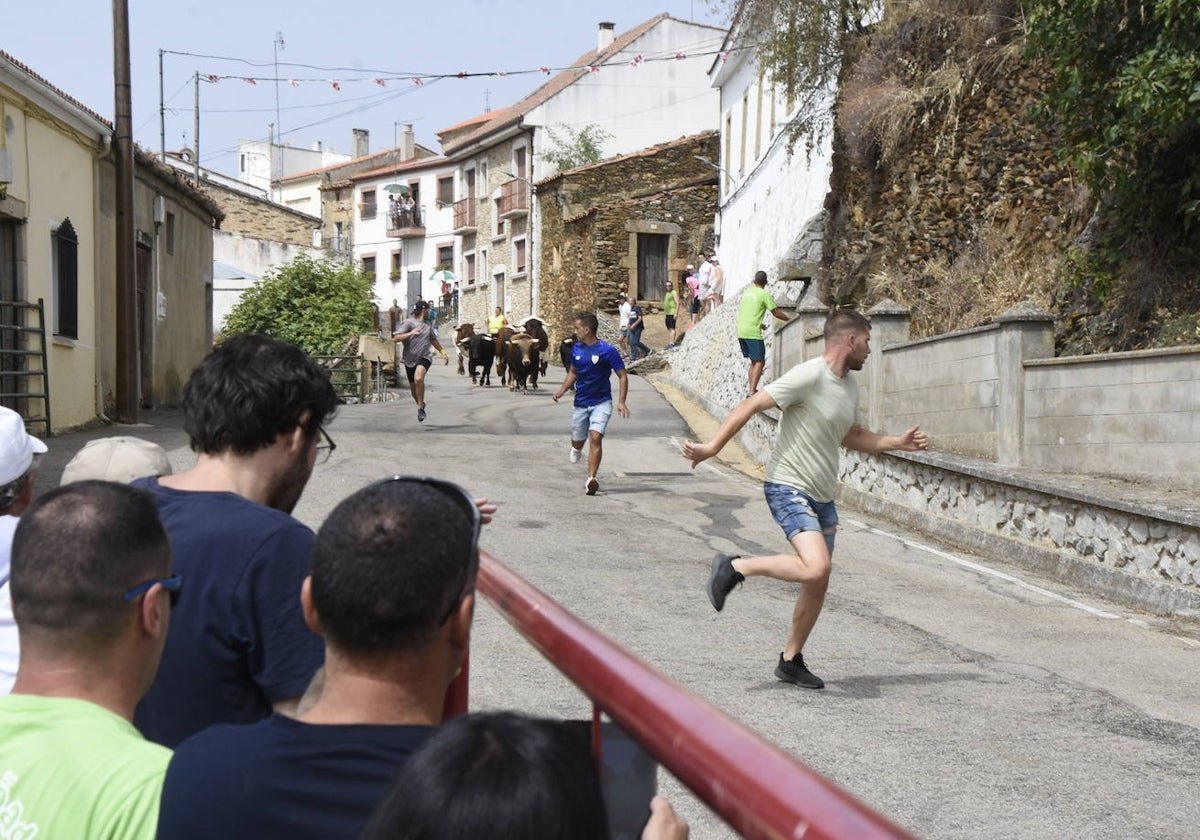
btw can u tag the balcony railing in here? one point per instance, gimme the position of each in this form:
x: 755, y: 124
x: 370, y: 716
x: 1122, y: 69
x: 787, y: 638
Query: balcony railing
x: 405, y: 222
x: 759, y: 790
x: 464, y: 215
x: 514, y: 198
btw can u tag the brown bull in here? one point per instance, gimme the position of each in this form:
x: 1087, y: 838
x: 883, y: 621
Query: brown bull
x: 501, y: 339
x: 461, y: 333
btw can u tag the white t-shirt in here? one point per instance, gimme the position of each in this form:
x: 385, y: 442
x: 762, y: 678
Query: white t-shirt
x: 9, y: 646
x: 704, y: 275
x: 625, y: 310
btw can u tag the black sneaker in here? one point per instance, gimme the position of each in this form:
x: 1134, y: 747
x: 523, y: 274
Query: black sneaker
x: 795, y: 672
x: 722, y: 579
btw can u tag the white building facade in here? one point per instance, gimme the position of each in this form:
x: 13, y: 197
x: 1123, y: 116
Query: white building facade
x: 405, y: 246
x: 770, y: 212
x: 648, y: 85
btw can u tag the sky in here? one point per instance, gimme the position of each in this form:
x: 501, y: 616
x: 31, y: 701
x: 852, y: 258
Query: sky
x: 349, y: 43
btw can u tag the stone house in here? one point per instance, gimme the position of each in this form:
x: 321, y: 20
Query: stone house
x: 631, y: 223
x: 645, y: 86
x: 58, y: 246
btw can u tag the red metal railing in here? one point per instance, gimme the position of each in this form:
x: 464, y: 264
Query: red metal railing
x: 513, y: 196
x: 754, y: 786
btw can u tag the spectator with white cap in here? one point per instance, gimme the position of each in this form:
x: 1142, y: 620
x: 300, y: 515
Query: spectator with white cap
x: 19, y: 456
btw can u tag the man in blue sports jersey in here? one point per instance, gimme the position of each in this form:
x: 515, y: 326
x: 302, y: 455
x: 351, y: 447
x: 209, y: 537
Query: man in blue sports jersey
x: 592, y: 364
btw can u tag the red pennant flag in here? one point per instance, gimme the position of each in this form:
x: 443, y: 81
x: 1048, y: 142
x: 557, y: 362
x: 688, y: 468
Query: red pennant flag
x: 637, y: 60
x: 724, y: 56
x: 380, y: 82
x: 251, y: 81
x: 680, y: 56
x: 593, y: 69
x: 214, y: 78
x: 545, y: 70
x: 418, y: 81
x: 336, y: 84
x: 293, y: 83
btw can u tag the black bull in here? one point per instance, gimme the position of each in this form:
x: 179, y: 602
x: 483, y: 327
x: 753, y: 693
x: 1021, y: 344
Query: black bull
x: 480, y: 353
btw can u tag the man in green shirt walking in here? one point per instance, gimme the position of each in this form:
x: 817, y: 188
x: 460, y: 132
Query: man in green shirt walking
x: 756, y: 302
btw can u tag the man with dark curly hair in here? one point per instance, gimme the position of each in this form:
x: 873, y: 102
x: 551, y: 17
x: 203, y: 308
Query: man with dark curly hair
x: 255, y: 411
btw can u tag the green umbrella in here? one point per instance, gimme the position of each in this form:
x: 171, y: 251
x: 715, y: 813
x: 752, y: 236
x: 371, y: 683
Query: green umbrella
x: 403, y: 189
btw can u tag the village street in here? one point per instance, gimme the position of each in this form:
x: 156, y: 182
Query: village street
x: 964, y: 698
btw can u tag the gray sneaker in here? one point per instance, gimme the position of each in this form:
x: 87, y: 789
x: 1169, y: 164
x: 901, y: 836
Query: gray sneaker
x: 795, y: 672
x: 575, y: 455
x: 722, y: 579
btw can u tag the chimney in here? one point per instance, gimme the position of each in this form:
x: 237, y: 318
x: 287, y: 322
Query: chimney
x: 360, y: 145
x: 408, y: 143
x: 606, y: 36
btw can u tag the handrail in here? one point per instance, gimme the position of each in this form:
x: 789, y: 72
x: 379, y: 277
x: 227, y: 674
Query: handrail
x: 759, y: 790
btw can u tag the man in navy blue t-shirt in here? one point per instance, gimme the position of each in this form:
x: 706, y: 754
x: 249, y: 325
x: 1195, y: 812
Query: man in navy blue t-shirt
x: 592, y: 364
x: 391, y: 592
x: 254, y: 409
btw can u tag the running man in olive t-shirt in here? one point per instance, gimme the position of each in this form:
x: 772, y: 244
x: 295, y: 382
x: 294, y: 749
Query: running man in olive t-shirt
x: 819, y: 403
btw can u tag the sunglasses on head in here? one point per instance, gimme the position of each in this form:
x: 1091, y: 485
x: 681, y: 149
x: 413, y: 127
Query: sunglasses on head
x: 173, y: 585
x: 466, y: 504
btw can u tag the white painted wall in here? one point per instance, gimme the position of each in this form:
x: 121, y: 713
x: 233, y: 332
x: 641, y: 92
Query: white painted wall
x: 767, y: 197
x: 371, y: 239
x: 257, y: 256
x: 639, y: 105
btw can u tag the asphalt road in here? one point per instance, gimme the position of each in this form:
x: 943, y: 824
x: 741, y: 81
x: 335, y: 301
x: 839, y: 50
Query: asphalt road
x: 964, y: 698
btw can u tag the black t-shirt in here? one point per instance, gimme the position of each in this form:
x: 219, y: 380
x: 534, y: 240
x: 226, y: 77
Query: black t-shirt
x: 281, y: 778
x: 237, y: 643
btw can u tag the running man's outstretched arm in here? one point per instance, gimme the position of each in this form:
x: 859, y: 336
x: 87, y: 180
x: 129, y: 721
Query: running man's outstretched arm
x: 740, y: 416
x: 567, y: 383
x: 861, y: 440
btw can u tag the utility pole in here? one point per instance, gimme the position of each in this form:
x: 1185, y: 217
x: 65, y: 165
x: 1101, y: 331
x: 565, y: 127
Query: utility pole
x: 196, y: 130
x: 276, y: 46
x: 162, y: 112
x: 126, y: 327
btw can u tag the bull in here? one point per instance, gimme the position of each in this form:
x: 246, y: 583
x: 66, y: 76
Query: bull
x: 501, y: 338
x: 480, y: 353
x: 534, y: 327
x: 523, y: 360
x: 461, y: 333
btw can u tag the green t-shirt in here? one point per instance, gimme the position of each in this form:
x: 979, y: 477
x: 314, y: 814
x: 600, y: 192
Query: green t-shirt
x: 69, y: 768
x: 669, y: 302
x: 756, y: 303
x: 818, y: 410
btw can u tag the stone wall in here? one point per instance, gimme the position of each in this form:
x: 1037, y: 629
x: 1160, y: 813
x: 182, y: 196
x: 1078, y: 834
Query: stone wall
x: 590, y: 217
x: 983, y: 164
x: 1134, y: 553
x: 262, y: 219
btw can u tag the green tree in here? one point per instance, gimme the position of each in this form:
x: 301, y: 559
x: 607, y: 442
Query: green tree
x: 575, y: 148
x: 313, y: 303
x: 1125, y: 97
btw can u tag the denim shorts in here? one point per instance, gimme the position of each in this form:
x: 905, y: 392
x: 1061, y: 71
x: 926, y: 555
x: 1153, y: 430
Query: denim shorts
x: 796, y: 511
x: 754, y: 349
x: 590, y: 418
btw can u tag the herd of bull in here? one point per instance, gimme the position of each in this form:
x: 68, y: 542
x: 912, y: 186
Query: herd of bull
x: 519, y: 354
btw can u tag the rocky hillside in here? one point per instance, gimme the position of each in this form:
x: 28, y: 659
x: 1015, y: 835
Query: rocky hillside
x: 947, y: 195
